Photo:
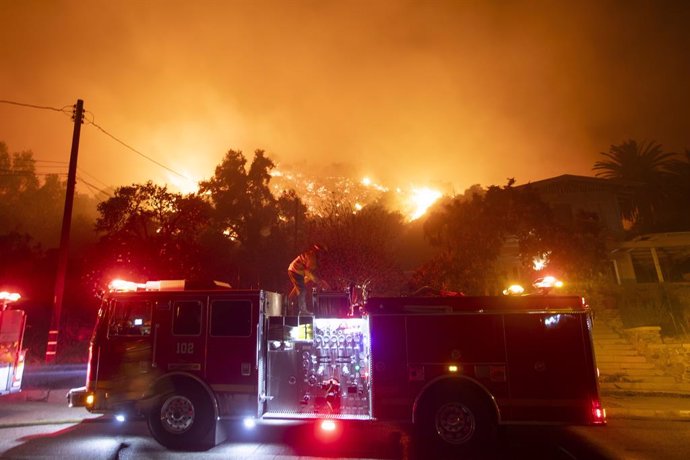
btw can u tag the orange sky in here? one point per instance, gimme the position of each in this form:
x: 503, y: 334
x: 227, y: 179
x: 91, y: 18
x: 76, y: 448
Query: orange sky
x: 409, y: 93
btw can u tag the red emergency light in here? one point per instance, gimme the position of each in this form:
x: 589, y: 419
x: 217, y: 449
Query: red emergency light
x: 9, y: 296
x: 328, y: 430
x: 119, y: 285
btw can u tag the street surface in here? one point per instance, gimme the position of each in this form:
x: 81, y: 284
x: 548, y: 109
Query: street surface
x: 104, y: 438
x: 27, y: 432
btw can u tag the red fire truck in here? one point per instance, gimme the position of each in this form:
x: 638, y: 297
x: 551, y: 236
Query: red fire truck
x: 454, y: 367
x: 12, y: 324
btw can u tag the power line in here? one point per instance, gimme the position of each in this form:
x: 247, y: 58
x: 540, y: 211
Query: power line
x: 96, y: 179
x: 92, y: 122
x: 42, y: 107
x: 51, y: 166
x: 100, y: 128
x: 10, y: 173
x: 94, y: 188
x: 51, y: 161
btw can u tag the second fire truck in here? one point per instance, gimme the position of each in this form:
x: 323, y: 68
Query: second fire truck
x: 456, y: 368
x: 12, y: 353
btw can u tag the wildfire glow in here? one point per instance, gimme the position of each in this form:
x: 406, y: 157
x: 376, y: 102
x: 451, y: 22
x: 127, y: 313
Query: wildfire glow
x: 412, y: 202
x: 184, y: 184
x: 421, y: 199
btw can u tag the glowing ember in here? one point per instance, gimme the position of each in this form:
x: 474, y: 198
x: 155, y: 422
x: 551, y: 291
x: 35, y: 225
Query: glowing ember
x: 540, y: 262
x: 411, y: 202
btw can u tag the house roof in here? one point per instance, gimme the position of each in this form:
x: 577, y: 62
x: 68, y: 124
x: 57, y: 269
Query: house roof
x: 571, y: 178
x: 572, y: 184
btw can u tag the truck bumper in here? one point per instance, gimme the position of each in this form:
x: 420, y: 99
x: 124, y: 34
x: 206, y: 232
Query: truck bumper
x: 77, y: 397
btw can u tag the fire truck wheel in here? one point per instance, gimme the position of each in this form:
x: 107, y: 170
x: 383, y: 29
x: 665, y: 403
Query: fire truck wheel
x: 182, y: 419
x: 457, y: 421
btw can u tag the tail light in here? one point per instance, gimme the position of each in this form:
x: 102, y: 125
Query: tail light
x: 598, y: 413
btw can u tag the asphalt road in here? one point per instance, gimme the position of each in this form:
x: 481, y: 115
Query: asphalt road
x: 26, y: 433
x: 105, y: 438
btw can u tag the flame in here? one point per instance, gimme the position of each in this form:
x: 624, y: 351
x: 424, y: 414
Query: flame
x: 421, y: 200
x: 367, y: 182
x: 412, y: 202
x: 540, y: 262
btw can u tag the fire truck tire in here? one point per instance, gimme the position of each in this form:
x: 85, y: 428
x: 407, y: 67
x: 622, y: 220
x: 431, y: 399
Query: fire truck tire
x: 183, y: 418
x: 456, y: 421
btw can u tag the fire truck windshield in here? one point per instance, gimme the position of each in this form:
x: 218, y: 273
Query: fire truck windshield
x: 130, y: 318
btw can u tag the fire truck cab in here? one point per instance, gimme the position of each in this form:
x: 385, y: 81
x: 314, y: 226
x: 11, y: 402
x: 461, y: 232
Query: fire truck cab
x: 455, y: 367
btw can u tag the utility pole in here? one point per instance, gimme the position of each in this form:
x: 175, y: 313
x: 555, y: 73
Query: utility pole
x: 63, y: 255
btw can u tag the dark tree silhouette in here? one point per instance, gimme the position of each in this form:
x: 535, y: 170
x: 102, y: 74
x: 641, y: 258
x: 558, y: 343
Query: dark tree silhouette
x: 362, y: 246
x: 152, y: 233
x: 471, y: 232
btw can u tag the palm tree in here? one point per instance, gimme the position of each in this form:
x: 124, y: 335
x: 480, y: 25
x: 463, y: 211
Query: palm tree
x: 646, y: 166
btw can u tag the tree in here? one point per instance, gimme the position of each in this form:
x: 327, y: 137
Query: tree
x: 471, y: 233
x: 148, y: 232
x: 31, y: 213
x: 35, y: 207
x: 17, y: 172
x: 362, y: 246
x: 247, y: 213
x: 17, y: 178
x: 646, y: 166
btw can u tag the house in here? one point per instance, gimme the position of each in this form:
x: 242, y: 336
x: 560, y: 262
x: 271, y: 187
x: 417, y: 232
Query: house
x: 650, y: 258
x: 572, y: 197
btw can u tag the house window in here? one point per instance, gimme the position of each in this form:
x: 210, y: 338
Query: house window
x: 643, y: 265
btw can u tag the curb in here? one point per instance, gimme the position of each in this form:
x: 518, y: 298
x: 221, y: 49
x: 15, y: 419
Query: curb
x: 646, y: 405
x: 47, y: 398
x: 663, y: 414
x: 38, y: 395
x: 48, y: 422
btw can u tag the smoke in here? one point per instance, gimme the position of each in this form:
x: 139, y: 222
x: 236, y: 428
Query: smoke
x: 411, y: 93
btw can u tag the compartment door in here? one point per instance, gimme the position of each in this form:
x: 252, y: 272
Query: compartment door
x: 232, y: 367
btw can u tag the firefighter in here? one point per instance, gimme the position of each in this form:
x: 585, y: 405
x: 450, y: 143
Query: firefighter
x: 302, y: 270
